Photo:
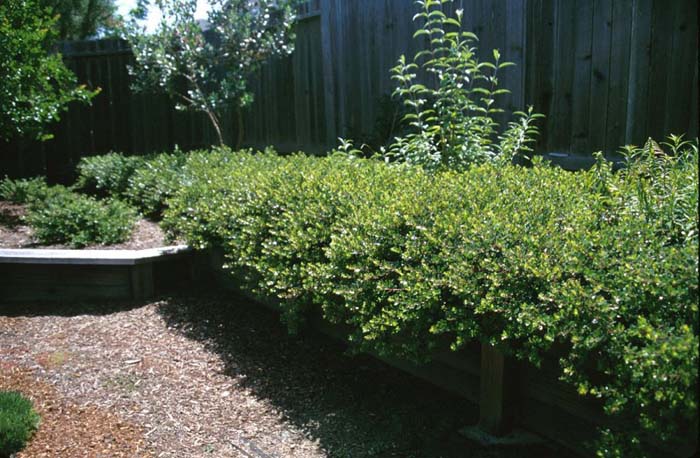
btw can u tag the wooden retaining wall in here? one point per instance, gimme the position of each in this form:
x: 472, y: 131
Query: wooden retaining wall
x: 64, y: 275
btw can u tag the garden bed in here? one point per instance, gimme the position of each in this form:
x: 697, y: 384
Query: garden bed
x: 15, y: 233
x: 57, y: 275
x: 134, y: 269
x: 514, y: 398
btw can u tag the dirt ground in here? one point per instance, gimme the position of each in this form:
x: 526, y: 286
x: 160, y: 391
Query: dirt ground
x: 199, y: 376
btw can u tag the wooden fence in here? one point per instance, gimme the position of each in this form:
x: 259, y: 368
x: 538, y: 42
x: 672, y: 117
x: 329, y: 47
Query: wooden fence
x: 605, y: 73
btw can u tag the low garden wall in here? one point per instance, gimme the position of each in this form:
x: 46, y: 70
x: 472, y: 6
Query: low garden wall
x: 61, y: 275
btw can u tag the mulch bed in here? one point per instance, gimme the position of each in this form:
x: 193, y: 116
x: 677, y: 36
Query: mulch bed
x: 214, y: 376
x: 14, y: 233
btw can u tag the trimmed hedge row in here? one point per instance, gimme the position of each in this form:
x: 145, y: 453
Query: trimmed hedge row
x: 599, y: 269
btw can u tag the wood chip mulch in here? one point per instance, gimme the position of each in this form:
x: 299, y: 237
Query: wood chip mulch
x: 214, y: 376
x: 67, y: 429
x: 127, y: 385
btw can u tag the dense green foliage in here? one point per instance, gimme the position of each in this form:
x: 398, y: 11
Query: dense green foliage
x: 18, y: 421
x: 59, y: 215
x: 35, y: 85
x: 452, y: 114
x: 154, y: 182
x: 597, y: 269
x: 77, y: 220
x: 209, y: 71
x: 107, y: 174
x: 23, y: 191
x: 82, y: 19
x: 144, y: 181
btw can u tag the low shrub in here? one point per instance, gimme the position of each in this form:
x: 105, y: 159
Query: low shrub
x: 594, y: 268
x: 154, y: 181
x: 24, y: 190
x: 107, y: 174
x: 78, y: 220
x: 18, y: 421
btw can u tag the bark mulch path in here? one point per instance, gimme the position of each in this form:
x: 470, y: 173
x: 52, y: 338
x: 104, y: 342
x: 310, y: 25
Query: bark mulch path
x: 214, y: 376
x: 14, y: 233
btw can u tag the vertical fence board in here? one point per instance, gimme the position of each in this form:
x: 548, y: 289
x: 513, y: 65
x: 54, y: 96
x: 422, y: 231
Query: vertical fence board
x: 681, y: 68
x: 619, y: 70
x: 636, y: 121
x: 581, y: 100
x: 600, y: 74
x: 564, y: 63
x: 661, y: 48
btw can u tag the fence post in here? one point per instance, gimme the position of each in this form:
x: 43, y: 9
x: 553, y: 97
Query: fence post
x: 496, y: 397
x: 142, y: 281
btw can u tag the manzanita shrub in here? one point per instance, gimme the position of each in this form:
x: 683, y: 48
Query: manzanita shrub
x: 595, y: 268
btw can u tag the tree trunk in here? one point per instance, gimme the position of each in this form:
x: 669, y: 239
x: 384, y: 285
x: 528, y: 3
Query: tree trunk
x: 217, y: 127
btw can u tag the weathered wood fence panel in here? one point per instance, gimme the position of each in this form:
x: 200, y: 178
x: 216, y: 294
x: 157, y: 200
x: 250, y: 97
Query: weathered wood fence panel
x: 605, y: 73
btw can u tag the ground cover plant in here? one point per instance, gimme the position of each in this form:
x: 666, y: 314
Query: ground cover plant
x: 18, y: 421
x: 596, y: 269
x: 61, y: 216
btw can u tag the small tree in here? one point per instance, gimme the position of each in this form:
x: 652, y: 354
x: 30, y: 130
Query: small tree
x: 35, y: 85
x: 451, y: 118
x: 208, y: 70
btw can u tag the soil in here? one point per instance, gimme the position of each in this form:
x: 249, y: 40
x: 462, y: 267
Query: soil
x: 204, y: 375
x: 14, y: 233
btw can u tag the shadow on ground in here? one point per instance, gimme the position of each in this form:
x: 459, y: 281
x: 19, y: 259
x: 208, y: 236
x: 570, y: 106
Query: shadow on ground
x: 355, y: 406
x: 68, y: 308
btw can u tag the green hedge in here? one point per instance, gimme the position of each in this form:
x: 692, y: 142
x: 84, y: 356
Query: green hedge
x: 597, y: 269
x: 107, y: 174
x: 144, y: 181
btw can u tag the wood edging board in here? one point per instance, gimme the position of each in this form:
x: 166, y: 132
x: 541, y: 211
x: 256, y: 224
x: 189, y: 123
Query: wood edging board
x: 62, y: 275
x: 88, y: 257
